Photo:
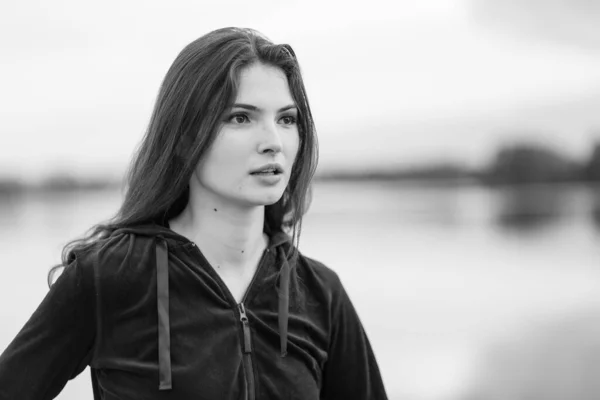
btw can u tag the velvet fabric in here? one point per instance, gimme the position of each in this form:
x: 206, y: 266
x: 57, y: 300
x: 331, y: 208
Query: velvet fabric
x: 145, y: 310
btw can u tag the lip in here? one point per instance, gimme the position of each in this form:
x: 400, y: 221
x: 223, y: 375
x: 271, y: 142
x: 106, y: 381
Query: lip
x: 277, y: 167
x: 269, y: 180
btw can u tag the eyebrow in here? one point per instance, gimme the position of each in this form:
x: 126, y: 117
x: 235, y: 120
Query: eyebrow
x: 254, y: 108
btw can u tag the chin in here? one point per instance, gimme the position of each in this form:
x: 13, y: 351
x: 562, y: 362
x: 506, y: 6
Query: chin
x: 270, y: 201
x: 266, y: 199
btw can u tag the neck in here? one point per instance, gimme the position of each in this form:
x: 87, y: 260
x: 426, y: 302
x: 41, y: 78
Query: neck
x: 229, y: 236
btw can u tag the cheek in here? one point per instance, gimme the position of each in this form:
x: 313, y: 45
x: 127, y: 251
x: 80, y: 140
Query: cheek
x: 292, y: 146
x: 217, y: 162
x: 226, y: 150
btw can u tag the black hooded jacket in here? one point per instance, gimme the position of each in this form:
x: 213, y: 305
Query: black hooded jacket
x: 153, y: 320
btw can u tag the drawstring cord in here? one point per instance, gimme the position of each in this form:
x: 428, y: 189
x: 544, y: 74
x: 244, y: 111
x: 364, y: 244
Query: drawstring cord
x: 164, y: 333
x: 284, y: 301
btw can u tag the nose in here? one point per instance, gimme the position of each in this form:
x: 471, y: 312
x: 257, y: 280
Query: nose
x: 270, y: 140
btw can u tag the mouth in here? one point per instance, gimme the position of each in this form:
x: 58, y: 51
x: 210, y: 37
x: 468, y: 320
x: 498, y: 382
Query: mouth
x: 270, y: 169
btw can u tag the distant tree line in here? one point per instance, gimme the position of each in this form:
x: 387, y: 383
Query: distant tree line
x: 515, y: 163
x: 534, y: 163
x: 56, y: 183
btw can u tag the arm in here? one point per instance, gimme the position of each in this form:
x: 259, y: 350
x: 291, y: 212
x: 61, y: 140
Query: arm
x: 55, y: 344
x: 351, y: 371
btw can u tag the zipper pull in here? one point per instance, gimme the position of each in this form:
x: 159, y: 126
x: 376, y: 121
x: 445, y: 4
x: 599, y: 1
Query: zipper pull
x: 246, y: 328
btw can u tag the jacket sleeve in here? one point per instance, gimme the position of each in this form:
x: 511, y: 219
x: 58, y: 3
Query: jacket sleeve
x: 351, y: 371
x: 55, y: 344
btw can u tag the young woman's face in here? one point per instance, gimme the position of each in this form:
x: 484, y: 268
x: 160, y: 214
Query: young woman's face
x: 259, y: 133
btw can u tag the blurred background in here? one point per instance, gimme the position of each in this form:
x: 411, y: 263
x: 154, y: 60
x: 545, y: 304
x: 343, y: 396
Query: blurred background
x: 458, y: 190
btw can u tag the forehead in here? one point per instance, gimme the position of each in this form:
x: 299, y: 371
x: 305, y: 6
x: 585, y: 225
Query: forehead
x: 263, y: 86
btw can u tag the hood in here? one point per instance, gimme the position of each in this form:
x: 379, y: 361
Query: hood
x: 162, y: 234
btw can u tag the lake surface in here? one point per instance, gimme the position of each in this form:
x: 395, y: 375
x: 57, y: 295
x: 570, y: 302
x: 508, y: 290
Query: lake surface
x: 455, y: 285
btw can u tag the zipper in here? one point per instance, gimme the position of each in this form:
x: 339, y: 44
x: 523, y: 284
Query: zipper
x: 247, y: 351
x: 246, y: 329
x: 247, y: 348
x: 247, y: 344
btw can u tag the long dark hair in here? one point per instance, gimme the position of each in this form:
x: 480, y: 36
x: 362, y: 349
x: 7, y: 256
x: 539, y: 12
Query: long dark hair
x: 199, y: 87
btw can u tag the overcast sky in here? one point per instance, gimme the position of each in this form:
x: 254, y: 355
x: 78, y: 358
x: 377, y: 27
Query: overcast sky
x: 390, y: 82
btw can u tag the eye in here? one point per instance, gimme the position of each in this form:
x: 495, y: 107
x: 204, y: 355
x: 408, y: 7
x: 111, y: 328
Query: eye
x: 238, y: 118
x: 288, y: 120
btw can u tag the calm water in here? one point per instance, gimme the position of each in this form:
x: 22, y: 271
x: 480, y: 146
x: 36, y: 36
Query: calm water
x: 464, y: 292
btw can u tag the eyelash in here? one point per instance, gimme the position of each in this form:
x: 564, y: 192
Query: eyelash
x: 236, y: 115
x: 232, y: 116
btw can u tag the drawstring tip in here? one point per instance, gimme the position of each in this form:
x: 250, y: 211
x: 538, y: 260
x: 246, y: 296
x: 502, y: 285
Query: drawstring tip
x: 283, y: 345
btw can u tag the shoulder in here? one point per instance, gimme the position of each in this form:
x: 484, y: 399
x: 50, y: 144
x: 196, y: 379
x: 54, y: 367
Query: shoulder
x: 118, y: 259
x: 123, y: 269
x: 319, y: 277
x: 320, y: 270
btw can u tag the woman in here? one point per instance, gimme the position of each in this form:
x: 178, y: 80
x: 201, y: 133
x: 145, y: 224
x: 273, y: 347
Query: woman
x: 195, y: 290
